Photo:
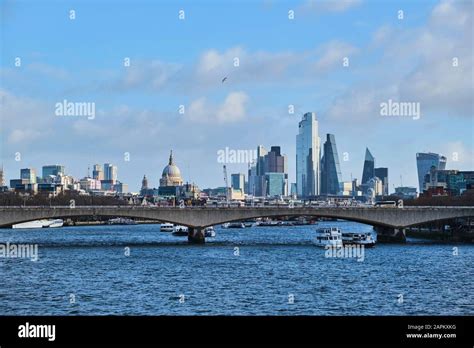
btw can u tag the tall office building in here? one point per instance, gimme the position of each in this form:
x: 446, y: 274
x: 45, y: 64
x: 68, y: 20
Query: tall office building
x: 382, y: 174
x: 259, y: 181
x: 28, y: 174
x: 369, y: 167
x: 424, y: 162
x: 53, y: 169
x: 330, y: 168
x: 308, y: 156
x: 110, y: 173
x: 274, y: 161
x: 238, y: 181
x: 97, y: 172
x: 252, y: 175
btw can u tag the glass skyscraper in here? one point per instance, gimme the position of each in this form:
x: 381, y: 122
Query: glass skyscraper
x: 330, y: 168
x: 424, y: 162
x: 308, y: 156
x: 110, y: 173
x: 97, y: 172
x: 275, y: 184
x: 369, y: 167
x: 54, y: 169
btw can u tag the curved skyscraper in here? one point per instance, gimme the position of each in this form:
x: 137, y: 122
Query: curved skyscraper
x: 424, y: 162
x: 308, y: 156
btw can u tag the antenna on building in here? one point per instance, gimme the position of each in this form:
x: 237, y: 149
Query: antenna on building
x: 401, y: 181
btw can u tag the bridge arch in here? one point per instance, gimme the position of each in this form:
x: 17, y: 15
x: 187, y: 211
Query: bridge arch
x: 260, y: 215
x: 74, y: 214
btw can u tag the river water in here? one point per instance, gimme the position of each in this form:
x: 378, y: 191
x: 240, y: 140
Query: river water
x: 138, y: 270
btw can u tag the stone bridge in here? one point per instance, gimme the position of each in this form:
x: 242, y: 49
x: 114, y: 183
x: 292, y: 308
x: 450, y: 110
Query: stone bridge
x: 384, y: 219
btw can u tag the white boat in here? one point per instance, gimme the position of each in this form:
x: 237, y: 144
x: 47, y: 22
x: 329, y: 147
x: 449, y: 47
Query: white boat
x: 180, y: 230
x: 328, y: 237
x: 209, y: 232
x: 40, y: 224
x: 55, y: 223
x: 29, y: 224
x: 360, y: 238
x: 121, y: 221
x: 233, y: 225
x: 167, y: 227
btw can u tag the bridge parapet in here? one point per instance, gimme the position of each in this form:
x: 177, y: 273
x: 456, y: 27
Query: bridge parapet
x: 208, y: 216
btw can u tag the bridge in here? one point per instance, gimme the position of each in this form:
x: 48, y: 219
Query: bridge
x: 387, y: 221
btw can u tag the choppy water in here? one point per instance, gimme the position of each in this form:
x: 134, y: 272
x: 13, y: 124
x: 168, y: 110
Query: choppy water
x: 165, y: 276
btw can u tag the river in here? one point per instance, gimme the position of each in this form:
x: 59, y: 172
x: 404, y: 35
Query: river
x: 138, y: 270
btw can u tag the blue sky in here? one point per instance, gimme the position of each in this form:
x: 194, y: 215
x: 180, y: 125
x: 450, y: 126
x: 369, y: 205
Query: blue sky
x: 181, y: 62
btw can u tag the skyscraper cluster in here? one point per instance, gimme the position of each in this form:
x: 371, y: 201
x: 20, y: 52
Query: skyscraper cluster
x: 318, y: 169
x: 268, y: 175
x: 374, y: 180
x: 54, y: 180
x: 424, y: 163
x: 435, y: 180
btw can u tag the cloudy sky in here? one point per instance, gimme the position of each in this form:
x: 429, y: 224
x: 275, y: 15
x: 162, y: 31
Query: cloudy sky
x: 288, y: 53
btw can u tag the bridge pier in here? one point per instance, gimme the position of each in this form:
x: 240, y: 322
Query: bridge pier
x: 196, y: 235
x: 390, y: 234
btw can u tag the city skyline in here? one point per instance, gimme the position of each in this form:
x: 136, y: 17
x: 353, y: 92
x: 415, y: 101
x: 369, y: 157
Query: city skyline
x: 329, y: 174
x: 137, y: 108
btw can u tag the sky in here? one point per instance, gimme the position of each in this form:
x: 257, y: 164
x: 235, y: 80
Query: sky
x: 340, y: 59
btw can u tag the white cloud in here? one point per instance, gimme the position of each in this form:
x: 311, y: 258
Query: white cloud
x: 450, y: 13
x: 23, y: 119
x: 360, y: 104
x: 197, y: 111
x: 382, y: 35
x: 322, y: 6
x: 241, y: 66
x: 149, y: 75
x: 23, y: 135
x: 417, y: 65
x: 48, y: 70
x: 459, y: 155
x: 232, y: 109
x: 332, y: 55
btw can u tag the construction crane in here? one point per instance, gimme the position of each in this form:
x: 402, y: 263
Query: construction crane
x: 226, y: 185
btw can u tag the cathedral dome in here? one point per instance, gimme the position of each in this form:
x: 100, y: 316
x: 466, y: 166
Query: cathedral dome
x: 171, y: 175
x: 171, y: 170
